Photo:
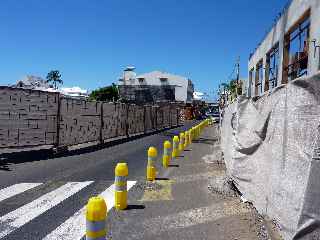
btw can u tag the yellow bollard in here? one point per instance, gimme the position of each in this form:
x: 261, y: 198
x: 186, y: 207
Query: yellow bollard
x: 151, y: 169
x: 175, y: 147
x: 193, y: 132
x: 96, y: 214
x: 186, y: 139
x: 120, y: 194
x: 190, y: 136
x: 166, y: 154
x: 181, y: 144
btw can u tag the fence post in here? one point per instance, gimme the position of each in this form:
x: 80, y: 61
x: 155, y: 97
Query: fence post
x: 170, y: 123
x: 144, y: 119
x: 58, y: 121
x: 156, y: 115
x: 178, y: 115
x: 101, y: 123
x: 127, y: 122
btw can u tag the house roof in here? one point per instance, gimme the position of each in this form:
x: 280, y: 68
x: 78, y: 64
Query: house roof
x: 158, y: 74
x: 34, y: 81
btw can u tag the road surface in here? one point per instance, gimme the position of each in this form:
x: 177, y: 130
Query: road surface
x: 39, y: 193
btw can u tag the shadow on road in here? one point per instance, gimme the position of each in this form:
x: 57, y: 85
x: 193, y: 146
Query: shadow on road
x: 162, y: 179
x: 209, y: 141
x: 173, y: 165
x: 135, y: 207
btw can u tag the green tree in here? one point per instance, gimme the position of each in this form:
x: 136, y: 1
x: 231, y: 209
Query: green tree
x: 54, y: 76
x: 107, y: 94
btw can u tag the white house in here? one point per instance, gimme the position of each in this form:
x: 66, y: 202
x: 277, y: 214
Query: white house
x: 182, y: 86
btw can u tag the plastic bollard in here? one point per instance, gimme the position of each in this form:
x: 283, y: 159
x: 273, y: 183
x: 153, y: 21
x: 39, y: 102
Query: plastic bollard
x: 192, y: 133
x: 181, y: 143
x: 175, y: 147
x: 166, y: 154
x: 120, y: 194
x: 186, y: 139
x: 196, y: 132
x: 96, y: 215
x: 151, y: 169
x: 190, y: 136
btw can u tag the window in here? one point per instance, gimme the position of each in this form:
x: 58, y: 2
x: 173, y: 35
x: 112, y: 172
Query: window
x: 259, y: 78
x: 296, y: 48
x: 164, y: 80
x: 251, y: 81
x: 141, y: 80
x: 272, y: 68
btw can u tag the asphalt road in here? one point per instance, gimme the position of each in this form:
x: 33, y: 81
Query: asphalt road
x: 39, y: 193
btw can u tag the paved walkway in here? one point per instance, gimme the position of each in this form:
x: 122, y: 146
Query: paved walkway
x: 190, y: 200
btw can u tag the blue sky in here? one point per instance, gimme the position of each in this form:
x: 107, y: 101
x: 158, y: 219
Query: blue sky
x: 91, y: 41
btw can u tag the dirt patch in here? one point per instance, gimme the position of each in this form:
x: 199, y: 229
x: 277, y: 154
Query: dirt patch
x: 248, y: 217
x: 221, y: 185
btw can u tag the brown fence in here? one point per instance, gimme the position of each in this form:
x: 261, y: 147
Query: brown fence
x: 34, y: 118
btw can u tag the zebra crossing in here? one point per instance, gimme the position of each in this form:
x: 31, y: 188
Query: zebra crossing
x: 72, y: 228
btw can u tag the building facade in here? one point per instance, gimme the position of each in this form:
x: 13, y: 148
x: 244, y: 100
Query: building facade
x: 155, y: 86
x: 289, y: 51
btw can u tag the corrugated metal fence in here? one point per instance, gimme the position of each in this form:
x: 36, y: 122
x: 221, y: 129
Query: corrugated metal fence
x: 34, y: 118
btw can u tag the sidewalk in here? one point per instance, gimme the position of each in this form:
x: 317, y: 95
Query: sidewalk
x: 191, y: 200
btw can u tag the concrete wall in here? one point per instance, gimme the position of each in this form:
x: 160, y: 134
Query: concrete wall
x: 289, y: 17
x: 80, y: 121
x: 27, y: 117
x: 35, y: 118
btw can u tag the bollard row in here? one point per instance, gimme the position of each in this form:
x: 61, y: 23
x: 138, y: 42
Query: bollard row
x: 96, y: 209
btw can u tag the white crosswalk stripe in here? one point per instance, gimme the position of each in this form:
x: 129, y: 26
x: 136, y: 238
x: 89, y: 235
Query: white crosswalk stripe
x: 74, y: 227
x: 16, y: 189
x: 17, y: 218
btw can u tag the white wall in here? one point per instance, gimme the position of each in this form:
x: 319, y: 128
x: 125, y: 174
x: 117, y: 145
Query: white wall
x: 277, y: 33
x: 181, y: 83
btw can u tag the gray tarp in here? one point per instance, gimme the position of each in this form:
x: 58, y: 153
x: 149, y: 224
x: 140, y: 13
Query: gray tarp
x: 270, y: 149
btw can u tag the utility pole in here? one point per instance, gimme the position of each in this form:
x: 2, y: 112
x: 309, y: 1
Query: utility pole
x: 238, y: 74
x: 238, y: 69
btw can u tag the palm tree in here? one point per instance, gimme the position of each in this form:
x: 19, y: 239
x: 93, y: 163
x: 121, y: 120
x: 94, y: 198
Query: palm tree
x: 54, y: 77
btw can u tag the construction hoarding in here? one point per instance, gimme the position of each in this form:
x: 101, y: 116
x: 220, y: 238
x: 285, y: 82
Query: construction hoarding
x: 271, y: 147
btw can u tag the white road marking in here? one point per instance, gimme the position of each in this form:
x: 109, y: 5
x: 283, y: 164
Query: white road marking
x: 74, y: 228
x: 16, y: 189
x: 15, y: 219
